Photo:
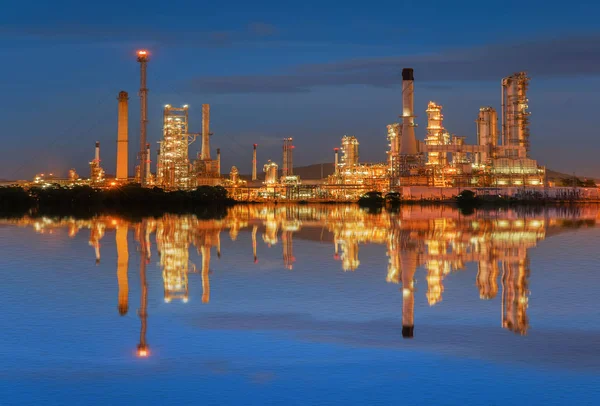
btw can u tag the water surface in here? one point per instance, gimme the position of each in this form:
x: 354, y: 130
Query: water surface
x: 303, y: 305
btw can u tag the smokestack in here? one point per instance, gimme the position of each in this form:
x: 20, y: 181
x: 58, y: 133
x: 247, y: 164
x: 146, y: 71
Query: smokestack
x: 408, y: 145
x: 254, y: 163
x: 284, y: 168
x: 219, y: 161
x: 205, y: 152
x: 337, y: 153
x: 122, y: 137
x: 97, y: 155
x: 148, y: 174
x: 142, y: 58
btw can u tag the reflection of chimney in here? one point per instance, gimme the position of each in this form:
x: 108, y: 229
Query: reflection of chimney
x: 205, y: 152
x: 408, y: 262
x: 254, y: 163
x: 122, y: 265
x: 122, y: 137
x: 408, y: 145
x: 254, y: 230
x: 205, y: 270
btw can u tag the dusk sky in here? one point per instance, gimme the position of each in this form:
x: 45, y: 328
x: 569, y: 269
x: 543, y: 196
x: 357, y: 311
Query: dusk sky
x: 312, y: 70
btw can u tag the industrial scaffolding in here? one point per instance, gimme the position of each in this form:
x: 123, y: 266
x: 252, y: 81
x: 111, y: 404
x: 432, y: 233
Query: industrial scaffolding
x: 173, y: 167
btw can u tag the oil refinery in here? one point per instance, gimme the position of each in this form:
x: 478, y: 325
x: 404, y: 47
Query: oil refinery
x: 437, y: 166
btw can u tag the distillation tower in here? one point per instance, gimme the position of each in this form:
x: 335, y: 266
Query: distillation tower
x: 515, y: 117
x: 173, y: 167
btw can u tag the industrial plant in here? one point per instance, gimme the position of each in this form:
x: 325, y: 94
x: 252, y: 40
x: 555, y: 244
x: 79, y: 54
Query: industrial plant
x: 436, y: 167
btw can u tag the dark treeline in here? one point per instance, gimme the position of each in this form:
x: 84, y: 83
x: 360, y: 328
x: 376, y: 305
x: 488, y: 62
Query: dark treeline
x: 129, y: 200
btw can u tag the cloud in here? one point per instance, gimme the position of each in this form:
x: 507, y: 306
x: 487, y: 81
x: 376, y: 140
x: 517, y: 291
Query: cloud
x: 262, y: 29
x: 565, y: 57
x: 102, y: 33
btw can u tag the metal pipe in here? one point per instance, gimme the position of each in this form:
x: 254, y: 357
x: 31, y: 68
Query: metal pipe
x: 205, y: 152
x: 148, y: 162
x: 254, y: 162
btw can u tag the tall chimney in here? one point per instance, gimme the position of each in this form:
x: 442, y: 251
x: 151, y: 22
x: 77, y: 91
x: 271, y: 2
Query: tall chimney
x: 122, y: 137
x: 284, y: 169
x: 337, y: 153
x: 408, y: 146
x: 97, y: 155
x: 219, y: 161
x: 254, y: 163
x: 205, y: 152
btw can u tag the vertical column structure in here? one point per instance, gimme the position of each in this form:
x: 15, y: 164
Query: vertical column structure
x: 336, y: 164
x: 284, y: 168
x: 219, y: 162
x: 254, y: 162
x: 97, y: 153
x: 205, y: 152
x: 148, y: 162
x: 142, y: 58
x: 487, y: 132
x: 122, y: 137
x: 515, y: 117
x: 408, y: 145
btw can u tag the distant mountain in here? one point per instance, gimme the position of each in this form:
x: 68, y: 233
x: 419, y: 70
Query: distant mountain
x: 554, y: 176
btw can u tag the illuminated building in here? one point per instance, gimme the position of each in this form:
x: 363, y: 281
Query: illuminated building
x: 96, y: 171
x: 207, y: 170
x: 173, y: 167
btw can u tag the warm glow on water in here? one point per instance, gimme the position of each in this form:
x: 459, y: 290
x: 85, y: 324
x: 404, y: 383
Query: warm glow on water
x: 303, y: 304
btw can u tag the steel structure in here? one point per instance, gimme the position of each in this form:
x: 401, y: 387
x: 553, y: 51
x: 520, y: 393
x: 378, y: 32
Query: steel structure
x: 515, y: 117
x: 173, y: 168
x: 288, y: 156
x: 349, y: 151
x: 487, y: 132
x: 143, y: 58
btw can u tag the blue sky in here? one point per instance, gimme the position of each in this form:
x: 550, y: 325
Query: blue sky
x: 311, y: 70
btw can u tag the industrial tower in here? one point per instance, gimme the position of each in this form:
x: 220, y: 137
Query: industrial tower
x: 122, y: 137
x: 173, y: 166
x: 142, y: 58
x: 288, y: 162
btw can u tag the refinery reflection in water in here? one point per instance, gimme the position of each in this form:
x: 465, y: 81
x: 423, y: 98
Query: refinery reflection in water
x: 439, y: 239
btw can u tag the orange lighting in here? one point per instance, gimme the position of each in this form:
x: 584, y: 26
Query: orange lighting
x: 142, y: 52
x: 113, y: 183
x: 143, y: 353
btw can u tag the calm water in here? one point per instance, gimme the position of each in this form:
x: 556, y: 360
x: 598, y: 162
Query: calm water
x: 303, y: 305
